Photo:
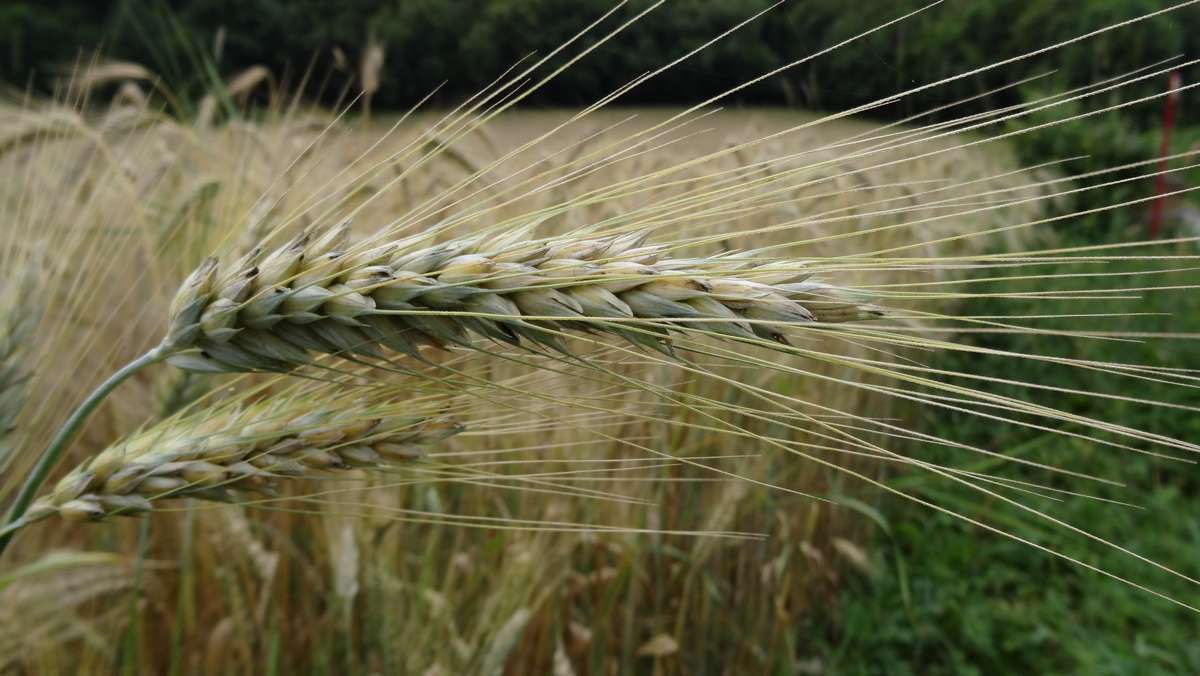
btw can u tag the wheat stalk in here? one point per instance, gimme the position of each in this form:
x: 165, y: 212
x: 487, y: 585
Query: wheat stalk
x: 243, y: 448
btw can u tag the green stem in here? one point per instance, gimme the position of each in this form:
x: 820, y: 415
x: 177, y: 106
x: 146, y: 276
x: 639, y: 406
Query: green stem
x: 62, y: 440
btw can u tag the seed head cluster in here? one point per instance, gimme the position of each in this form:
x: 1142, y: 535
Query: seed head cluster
x: 317, y: 295
x: 216, y: 455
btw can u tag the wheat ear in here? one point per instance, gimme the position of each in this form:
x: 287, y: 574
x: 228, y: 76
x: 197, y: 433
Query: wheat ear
x: 316, y: 295
x: 242, y: 449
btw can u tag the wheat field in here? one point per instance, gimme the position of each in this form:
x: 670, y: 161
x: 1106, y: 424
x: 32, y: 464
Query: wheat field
x: 581, y: 506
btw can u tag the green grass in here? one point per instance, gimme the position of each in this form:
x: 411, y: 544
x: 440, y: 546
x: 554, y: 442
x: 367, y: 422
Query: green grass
x: 948, y: 598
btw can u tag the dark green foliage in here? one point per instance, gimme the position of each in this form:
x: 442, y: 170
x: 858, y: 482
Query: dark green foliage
x: 467, y: 43
x: 955, y: 600
x: 45, y: 34
x: 1091, y: 144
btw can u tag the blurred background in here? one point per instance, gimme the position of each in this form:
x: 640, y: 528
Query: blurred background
x: 453, y: 49
x: 904, y: 590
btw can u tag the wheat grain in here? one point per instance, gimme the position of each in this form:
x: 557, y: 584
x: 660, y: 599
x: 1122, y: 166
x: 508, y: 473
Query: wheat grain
x: 273, y: 312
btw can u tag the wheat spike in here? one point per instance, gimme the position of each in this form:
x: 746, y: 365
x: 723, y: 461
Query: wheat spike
x: 178, y: 388
x: 314, y: 295
x: 248, y: 448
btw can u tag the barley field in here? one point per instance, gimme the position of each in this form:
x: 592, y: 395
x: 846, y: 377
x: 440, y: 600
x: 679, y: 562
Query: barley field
x: 516, y: 391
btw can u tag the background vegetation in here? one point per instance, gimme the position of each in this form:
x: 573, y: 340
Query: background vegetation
x: 460, y: 45
x: 947, y: 599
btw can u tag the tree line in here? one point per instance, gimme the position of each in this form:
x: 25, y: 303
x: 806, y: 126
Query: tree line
x: 458, y: 46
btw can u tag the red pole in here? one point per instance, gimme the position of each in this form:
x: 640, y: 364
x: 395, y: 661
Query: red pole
x: 1160, y: 181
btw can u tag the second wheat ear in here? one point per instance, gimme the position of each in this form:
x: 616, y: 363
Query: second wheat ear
x: 244, y: 448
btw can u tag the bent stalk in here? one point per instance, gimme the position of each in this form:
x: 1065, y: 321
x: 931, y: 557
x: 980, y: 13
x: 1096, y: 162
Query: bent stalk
x: 62, y: 440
